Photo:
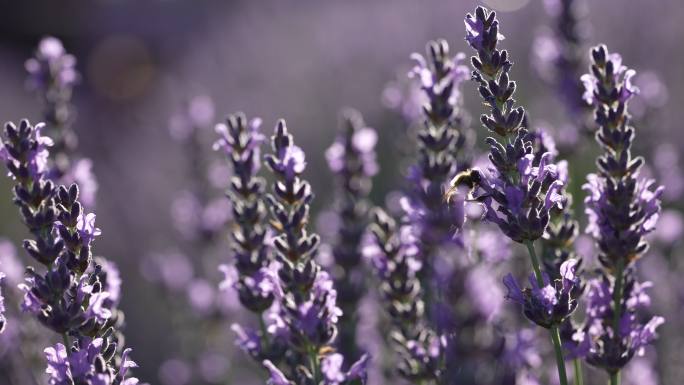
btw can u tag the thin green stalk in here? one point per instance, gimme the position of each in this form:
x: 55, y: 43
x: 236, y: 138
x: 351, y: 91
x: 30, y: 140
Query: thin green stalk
x: 617, y: 311
x: 555, y: 335
x: 615, y: 378
x: 67, y: 343
x: 579, y: 376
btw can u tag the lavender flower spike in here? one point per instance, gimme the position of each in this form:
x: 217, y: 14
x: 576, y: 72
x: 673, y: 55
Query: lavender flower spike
x: 520, y: 189
x: 240, y: 140
x: 352, y: 158
x: 622, y: 208
x: 74, y: 297
x: 517, y: 191
x: 440, y: 139
x: 393, y: 252
x: 305, y: 294
x: 52, y: 76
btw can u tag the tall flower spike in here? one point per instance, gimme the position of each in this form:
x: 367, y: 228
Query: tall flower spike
x: 518, y: 191
x: 522, y: 188
x: 52, y: 76
x: 74, y: 296
x: 622, y: 209
x: 440, y: 140
x: 305, y: 294
x: 352, y: 158
x: 240, y: 141
x: 393, y: 253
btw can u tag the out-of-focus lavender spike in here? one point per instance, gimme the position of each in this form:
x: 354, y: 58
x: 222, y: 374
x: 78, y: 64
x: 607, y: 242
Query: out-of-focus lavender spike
x: 71, y: 297
x: 393, y: 251
x: 559, y: 55
x: 305, y: 294
x: 52, y: 76
x: 352, y: 159
x: 622, y: 209
x: 440, y: 141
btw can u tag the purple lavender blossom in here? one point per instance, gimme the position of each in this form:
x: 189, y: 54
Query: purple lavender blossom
x: 622, y: 209
x: 598, y: 340
x: 521, y: 189
x: 393, y: 251
x: 440, y: 141
x: 240, y: 141
x: 552, y: 303
x: 52, y: 76
x: 352, y: 158
x: 70, y: 297
x: 518, y: 192
x: 86, y: 364
x: 305, y: 295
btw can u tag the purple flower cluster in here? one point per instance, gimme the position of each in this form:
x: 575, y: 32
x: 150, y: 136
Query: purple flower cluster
x: 551, y: 303
x: 440, y: 141
x: 52, y: 75
x: 306, y: 298
x: 394, y: 253
x: 518, y: 192
x: 598, y: 340
x: 75, y: 296
x: 523, y: 187
x: 352, y: 159
x: 622, y: 209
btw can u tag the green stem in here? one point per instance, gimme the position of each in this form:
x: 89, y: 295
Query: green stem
x: 615, y: 378
x: 313, y: 358
x: 579, y: 377
x: 617, y: 311
x: 555, y: 335
x: 67, y: 343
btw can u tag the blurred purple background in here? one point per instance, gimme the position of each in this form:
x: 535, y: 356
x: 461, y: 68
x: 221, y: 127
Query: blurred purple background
x: 300, y: 60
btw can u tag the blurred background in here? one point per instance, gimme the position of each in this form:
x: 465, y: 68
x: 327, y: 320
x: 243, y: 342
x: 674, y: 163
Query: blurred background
x: 299, y: 60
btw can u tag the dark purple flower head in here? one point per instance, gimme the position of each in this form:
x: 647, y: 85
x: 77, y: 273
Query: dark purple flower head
x: 69, y: 295
x: 598, y: 340
x: 548, y: 305
x: 87, y: 363
x: 622, y: 207
x: 521, y: 188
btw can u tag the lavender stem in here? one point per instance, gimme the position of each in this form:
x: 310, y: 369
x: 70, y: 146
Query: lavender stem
x: 555, y: 335
x: 579, y: 376
x: 617, y: 311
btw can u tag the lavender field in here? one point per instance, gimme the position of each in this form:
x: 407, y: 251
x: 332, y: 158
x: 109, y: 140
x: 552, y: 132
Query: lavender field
x: 341, y: 193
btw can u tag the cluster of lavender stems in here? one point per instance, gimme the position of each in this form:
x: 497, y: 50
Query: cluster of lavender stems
x: 622, y: 208
x: 352, y: 159
x: 240, y: 140
x: 72, y: 296
x: 520, y: 190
